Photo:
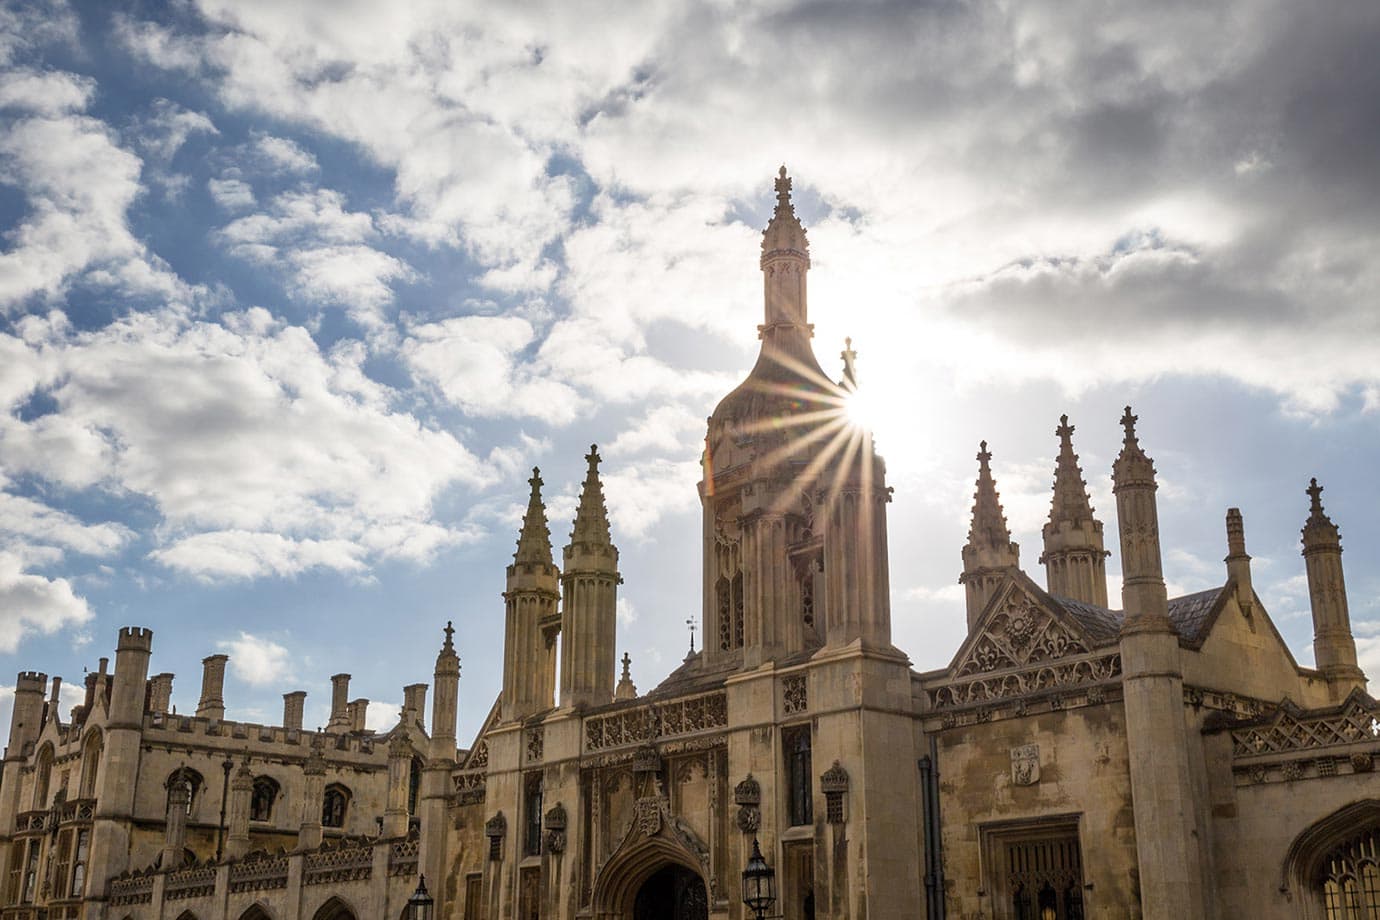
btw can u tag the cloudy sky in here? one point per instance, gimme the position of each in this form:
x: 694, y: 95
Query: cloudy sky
x: 293, y: 295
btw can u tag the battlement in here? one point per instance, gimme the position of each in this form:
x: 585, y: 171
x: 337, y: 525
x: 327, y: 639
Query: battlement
x: 32, y: 681
x: 135, y: 639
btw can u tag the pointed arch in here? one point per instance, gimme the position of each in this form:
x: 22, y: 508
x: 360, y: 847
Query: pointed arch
x: 618, y: 882
x: 1306, y: 863
x: 187, y: 915
x: 43, y: 775
x: 256, y: 911
x: 335, y: 908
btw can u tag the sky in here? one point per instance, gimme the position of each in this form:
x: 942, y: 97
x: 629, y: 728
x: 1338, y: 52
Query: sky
x: 294, y: 295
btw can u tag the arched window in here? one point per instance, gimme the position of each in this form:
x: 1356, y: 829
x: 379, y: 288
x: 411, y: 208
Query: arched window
x: 188, y: 778
x: 91, y: 763
x: 414, y: 784
x: 43, y: 776
x: 261, y: 800
x: 334, y: 909
x: 333, y: 805
x: 531, y: 812
x: 1351, y: 878
x: 799, y: 789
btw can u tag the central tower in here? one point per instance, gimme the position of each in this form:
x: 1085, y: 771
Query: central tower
x: 794, y: 494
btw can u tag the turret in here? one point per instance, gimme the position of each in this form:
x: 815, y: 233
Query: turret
x: 1133, y: 482
x: 530, y: 598
x: 1238, y: 563
x: 590, y: 582
x: 1334, y: 648
x: 395, y: 814
x: 212, y: 703
x: 313, y: 796
x: 132, y: 654
x: 445, y: 709
x: 989, y: 556
x: 26, y: 718
x: 1074, y: 556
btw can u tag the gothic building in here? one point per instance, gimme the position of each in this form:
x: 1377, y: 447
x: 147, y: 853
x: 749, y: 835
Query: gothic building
x: 1168, y: 760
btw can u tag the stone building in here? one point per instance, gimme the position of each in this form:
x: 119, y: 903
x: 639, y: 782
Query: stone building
x: 1169, y: 759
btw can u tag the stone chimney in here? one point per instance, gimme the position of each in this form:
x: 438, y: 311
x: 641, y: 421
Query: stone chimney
x: 414, y: 704
x: 340, y: 694
x: 212, y: 704
x: 357, y: 711
x: 293, y: 704
x: 160, y: 692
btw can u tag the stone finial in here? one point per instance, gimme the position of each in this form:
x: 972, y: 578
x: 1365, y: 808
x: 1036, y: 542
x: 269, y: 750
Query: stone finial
x: 534, y: 540
x: 989, y: 522
x: 850, y: 369
x: 1318, y: 530
x: 591, y: 515
x: 1071, y: 502
x: 625, y: 690
x: 448, y: 646
x: 1131, y: 467
x: 1238, y: 562
x: 784, y: 233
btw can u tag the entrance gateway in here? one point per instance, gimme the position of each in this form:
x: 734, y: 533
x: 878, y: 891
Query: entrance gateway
x: 672, y: 893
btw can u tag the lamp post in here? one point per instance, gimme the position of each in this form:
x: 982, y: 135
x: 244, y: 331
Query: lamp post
x: 420, y: 903
x: 759, y: 884
x: 225, y: 766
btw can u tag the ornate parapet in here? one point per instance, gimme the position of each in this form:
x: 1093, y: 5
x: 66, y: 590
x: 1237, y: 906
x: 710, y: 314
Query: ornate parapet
x: 131, y: 888
x: 77, y: 811
x: 470, y: 787
x: 402, y: 857
x: 259, y: 872
x: 1291, y: 744
x: 192, y: 882
x: 349, y: 860
x: 645, y: 724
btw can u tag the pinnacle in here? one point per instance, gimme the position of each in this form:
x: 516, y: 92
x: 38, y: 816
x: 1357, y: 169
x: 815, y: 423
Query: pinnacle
x: 1070, y: 490
x: 591, y: 515
x: 534, y: 540
x: 989, y: 522
x: 1132, y: 466
x: 1319, y: 527
x: 449, y: 645
x: 784, y: 232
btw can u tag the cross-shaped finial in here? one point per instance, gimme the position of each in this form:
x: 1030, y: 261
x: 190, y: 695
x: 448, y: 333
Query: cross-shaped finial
x: 783, y: 189
x: 449, y: 631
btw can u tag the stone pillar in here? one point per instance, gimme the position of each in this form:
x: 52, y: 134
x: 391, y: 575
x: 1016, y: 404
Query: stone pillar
x: 395, y: 815
x: 340, y: 694
x: 989, y: 556
x: 1334, y: 648
x: 237, y: 819
x: 1169, y: 846
x: 530, y: 597
x: 436, y: 783
x: 414, y: 705
x: 110, y: 830
x: 767, y: 587
x: 857, y: 576
x: 590, y: 581
x: 51, y: 711
x: 175, y: 828
x: 160, y: 692
x: 212, y: 704
x: 1238, y: 563
x: 313, y: 797
x: 293, y: 704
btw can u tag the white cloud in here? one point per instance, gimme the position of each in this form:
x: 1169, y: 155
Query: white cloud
x: 231, y: 554
x: 31, y: 603
x: 283, y: 155
x: 34, y: 521
x: 231, y: 193
x: 381, y: 717
x: 640, y: 493
x: 477, y: 363
x: 45, y: 92
x: 627, y: 615
x: 163, y: 132
x: 256, y: 660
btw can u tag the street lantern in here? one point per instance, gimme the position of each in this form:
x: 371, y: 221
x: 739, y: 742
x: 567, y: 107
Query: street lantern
x: 420, y: 902
x: 759, y: 883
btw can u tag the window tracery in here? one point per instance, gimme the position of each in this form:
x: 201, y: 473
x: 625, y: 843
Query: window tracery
x: 262, y: 798
x: 333, y: 805
x: 1351, y: 879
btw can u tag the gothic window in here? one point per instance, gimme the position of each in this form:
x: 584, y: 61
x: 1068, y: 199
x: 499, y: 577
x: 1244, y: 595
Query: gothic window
x: 414, y: 784
x: 90, y: 764
x: 79, y: 863
x: 264, y: 794
x: 1039, y: 870
x: 43, y: 775
x: 30, y: 873
x: 531, y: 836
x: 796, y: 743
x: 1351, y: 879
x: 61, y: 863
x: 333, y: 806
x: 723, y: 602
x: 738, y: 610
x: 188, y: 778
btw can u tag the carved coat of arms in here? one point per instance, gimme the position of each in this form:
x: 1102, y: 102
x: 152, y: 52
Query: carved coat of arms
x: 1025, y: 765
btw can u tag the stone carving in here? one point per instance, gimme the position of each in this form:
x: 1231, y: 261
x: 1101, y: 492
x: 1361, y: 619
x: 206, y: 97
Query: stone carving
x: 1020, y: 635
x: 1025, y: 765
x: 661, y: 720
x: 1293, y: 769
x: 794, y: 696
x: 747, y: 795
x: 649, y: 815
x: 646, y: 760
x: 479, y: 757
x: 347, y: 861
x: 1327, y: 766
x: 1046, y: 677
x: 1362, y: 762
x: 1294, y: 731
x: 554, y: 824
x: 536, y: 743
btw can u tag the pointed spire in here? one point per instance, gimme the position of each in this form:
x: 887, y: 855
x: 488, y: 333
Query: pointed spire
x: 1071, y: 502
x: 784, y: 232
x: 1132, y: 467
x: 534, y: 540
x: 989, y: 522
x: 591, y: 516
x: 1318, y: 530
x: 625, y: 690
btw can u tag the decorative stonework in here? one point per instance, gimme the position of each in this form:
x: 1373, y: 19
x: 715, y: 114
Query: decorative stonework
x: 1020, y: 635
x: 794, y: 695
x: 646, y: 760
x: 747, y: 795
x: 495, y: 829
x: 1025, y: 765
x: 1059, y: 675
x: 470, y: 788
x: 536, y: 743
x: 196, y: 882
x: 261, y: 872
x: 661, y: 720
x: 479, y: 757
x: 1293, y: 731
x: 834, y: 784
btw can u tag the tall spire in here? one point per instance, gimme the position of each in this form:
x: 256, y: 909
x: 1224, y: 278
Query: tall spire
x: 1334, y: 648
x: 1073, y: 557
x: 534, y: 540
x: 591, y: 516
x: 989, y: 554
x: 1133, y: 482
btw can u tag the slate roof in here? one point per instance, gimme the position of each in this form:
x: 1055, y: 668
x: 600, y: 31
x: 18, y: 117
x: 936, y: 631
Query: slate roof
x: 1191, y: 616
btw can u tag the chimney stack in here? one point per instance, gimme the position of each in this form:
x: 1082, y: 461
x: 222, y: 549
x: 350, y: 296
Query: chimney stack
x: 293, y: 703
x: 358, y: 710
x: 414, y: 704
x: 212, y: 705
x: 160, y: 692
x: 340, y: 693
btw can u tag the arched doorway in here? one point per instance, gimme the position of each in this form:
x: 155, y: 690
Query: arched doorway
x: 673, y: 892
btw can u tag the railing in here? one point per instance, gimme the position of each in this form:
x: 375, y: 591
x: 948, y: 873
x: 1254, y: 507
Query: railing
x: 658, y: 720
x: 402, y: 857
x: 31, y: 821
x: 77, y: 810
x: 259, y: 873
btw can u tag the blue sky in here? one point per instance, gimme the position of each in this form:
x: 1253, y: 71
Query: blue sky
x: 292, y: 296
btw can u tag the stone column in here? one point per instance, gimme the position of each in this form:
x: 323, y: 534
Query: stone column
x: 1238, y: 563
x: 414, y: 705
x: 175, y: 829
x: 212, y: 705
x: 313, y: 797
x: 395, y: 815
x: 241, y: 792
